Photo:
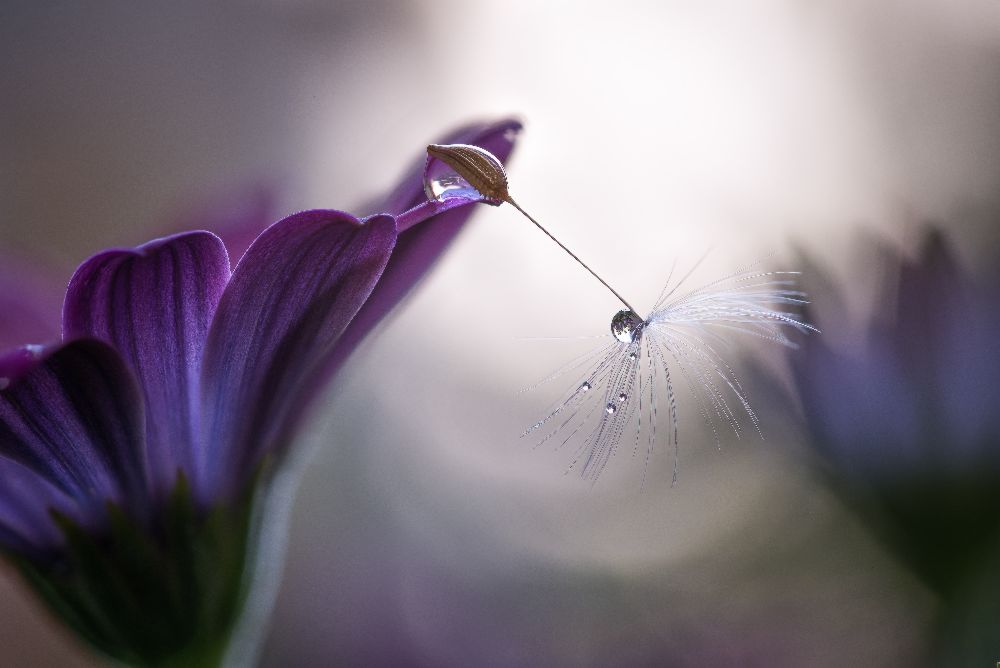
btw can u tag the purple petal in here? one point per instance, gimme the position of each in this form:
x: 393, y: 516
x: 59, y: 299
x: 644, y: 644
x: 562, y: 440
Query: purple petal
x: 290, y: 299
x: 860, y: 407
x: 154, y: 304
x: 29, y: 304
x: 418, y: 247
x: 73, y: 416
x: 947, y: 328
x: 932, y: 303
x: 969, y: 373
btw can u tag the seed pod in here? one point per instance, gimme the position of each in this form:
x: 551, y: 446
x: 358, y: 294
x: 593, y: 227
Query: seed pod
x: 479, y: 167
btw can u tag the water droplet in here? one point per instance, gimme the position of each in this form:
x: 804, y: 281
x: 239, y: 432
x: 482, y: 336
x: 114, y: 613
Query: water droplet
x: 464, y: 172
x: 626, y: 326
x: 632, y: 356
x: 4, y: 382
x: 586, y: 386
x: 622, y: 397
x: 449, y: 186
x: 611, y: 409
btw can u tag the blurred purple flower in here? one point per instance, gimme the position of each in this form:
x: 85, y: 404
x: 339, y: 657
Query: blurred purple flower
x: 908, y: 422
x: 176, y: 387
x: 921, y: 385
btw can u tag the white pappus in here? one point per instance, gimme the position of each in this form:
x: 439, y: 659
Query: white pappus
x: 680, y: 341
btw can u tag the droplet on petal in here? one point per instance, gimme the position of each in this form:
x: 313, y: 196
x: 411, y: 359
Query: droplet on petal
x: 622, y: 397
x: 585, y: 386
x: 626, y: 326
x: 465, y: 172
x: 611, y: 409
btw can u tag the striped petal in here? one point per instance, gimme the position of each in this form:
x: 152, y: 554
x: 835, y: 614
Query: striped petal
x: 288, y: 303
x: 154, y: 304
x: 72, y: 415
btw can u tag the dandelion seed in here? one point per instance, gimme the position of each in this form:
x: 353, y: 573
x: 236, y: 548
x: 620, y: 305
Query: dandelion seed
x: 683, y: 335
x: 684, y: 332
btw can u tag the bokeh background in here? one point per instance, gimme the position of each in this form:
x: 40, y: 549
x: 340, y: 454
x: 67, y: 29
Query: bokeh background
x: 425, y: 531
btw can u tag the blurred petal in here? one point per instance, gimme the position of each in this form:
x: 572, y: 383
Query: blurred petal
x: 947, y: 330
x: 968, y: 372
x: 29, y: 304
x: 931, y: 305
x: 290, y: 299
x: 154, y: 304
x: 418, y: 247
x: 74, y: 417
x: 860, y: 409
x: 26, y: 501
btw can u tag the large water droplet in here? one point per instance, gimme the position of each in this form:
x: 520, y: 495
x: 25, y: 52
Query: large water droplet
x: 443, y: 182
x: 449, y: 186
x: 626, y: 326
x: 611, y: 409
x: 622, y: 397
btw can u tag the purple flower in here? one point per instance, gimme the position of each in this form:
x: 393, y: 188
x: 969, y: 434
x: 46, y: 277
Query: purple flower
x: 131, y: 450
x: 907, y: 422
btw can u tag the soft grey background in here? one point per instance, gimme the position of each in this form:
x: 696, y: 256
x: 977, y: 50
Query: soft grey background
x: 424, y: 527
